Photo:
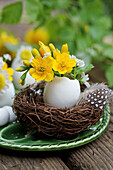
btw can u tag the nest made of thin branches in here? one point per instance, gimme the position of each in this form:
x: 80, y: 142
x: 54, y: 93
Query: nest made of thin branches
x: 52, y: 121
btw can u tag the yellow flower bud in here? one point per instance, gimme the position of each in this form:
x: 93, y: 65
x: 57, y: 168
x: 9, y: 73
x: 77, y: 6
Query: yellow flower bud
x: 41, y: 43
x: 26, y: 63
x: 52, y: 47
x: 20, y: 81
x: 22, y: 68
x: 35, y: 52
x: 64, y: 48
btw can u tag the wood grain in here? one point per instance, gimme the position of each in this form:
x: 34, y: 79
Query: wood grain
x: 18, y: 160
x: 95, y: 155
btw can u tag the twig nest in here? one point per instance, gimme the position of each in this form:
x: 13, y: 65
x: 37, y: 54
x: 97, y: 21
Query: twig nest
x: 62, y: 92
x: 62, y: 123
x: 7, y: 97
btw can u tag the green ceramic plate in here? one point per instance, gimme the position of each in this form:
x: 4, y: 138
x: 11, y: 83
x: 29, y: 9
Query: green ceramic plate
x: 13, y: 137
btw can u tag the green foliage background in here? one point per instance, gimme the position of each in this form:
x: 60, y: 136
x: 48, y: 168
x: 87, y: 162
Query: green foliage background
x: 80, y: 23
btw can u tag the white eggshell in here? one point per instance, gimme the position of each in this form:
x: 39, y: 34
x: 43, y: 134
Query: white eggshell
x: 12, y: 117
x: 62, y: 92
x: 16, y: 76
x: 28, y: 81
x: 8, y: 96
x: 4, y: 117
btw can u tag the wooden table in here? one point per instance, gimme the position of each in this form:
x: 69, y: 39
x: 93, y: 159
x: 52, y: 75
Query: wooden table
x: 95, y: 155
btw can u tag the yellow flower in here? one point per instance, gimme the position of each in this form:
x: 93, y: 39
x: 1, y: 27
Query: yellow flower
x: 9, y: 71
x: 44, y: 50
x: 42, y: 69
x: 7, y: 38
x: 34, y: 36
x: 2, y: 81
x: 63, y: 64
x: 64, y: 49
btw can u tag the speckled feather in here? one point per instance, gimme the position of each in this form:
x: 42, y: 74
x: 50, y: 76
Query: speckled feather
x: 97, y: 95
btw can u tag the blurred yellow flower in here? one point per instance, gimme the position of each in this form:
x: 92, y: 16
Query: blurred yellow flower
x: 10, y: 71
x: 2, y: 81
x: 63, y: 64
x: 34, y: 36
x: 7, y: 38
x: 42, y: 69
x: 26, y: 54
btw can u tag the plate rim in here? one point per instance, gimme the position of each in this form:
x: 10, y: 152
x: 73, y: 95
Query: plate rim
x: 54, y: 147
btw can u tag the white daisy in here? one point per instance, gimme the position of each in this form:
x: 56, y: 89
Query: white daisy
x: 85, y: 78
x: 7, y: 57
x: 23, y: 53
x: 1, y: 62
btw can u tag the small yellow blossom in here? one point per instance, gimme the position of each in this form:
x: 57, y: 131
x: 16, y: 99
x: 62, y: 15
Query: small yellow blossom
x: 26, y: 63
x: 2, y: 81
x: 44, y: 50
x: 63, y: 64
x: 64, y: 49
x: 10, y: 71
x: 34, y: 36
x: 42, y: 69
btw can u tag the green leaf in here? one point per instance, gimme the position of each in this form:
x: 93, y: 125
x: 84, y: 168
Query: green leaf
x: 108, y: 53
x: 109, y: 75
x: 33, y: 9
x: 11, y: 14
x: 88, y: 68
x: 23, y: 77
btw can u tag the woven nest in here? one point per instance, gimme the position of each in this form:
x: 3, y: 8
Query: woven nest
x: 52, y: 121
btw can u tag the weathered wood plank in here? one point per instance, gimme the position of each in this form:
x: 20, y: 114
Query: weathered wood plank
x: 18, y: 160
x: 95, y: 155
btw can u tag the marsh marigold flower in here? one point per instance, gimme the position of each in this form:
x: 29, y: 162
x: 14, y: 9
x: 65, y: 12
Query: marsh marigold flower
x: 42, y: 69
x: 64, y: 49
x: 63, y: 64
